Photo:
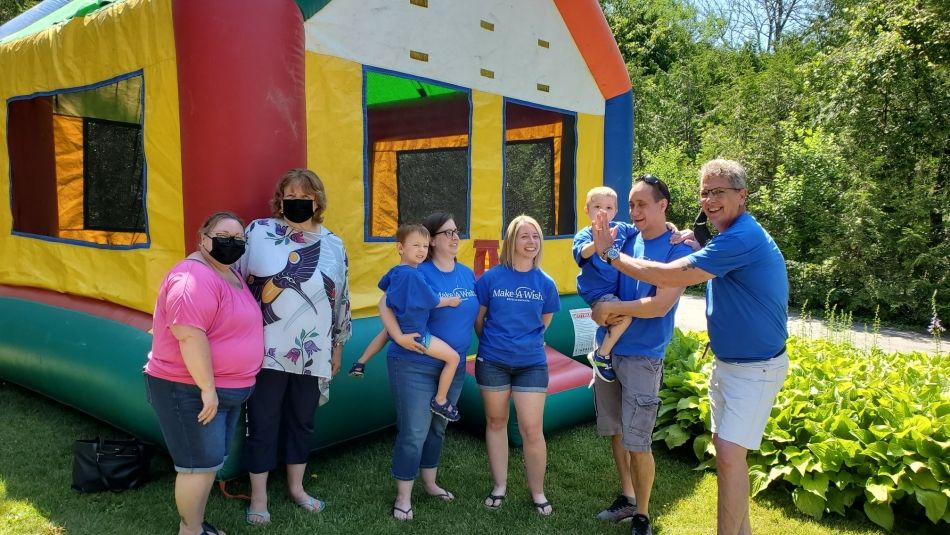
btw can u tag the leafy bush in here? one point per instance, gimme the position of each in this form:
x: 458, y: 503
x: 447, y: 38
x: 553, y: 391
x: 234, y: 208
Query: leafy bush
x: 850, y: 428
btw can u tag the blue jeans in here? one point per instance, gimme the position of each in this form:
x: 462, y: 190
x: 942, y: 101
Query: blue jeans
x: 420, y: 433
x: 194, y: 447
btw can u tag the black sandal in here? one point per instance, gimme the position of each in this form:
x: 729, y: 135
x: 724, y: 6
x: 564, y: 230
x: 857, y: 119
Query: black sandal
x: 496, y: 501
x: 406, y: 513
x: 542, y: 506
x: 208, y: 529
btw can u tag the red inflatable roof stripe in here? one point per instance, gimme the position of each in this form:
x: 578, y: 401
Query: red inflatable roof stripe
x: 596, y: 43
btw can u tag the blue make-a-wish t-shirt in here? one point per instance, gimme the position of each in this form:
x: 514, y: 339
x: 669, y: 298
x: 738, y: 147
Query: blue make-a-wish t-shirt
x: 451, y: 324
x: 646, y: 337
x: 596, y: 278
x: 747, y: 302
x: 410, y: 298
x: 513, y: 331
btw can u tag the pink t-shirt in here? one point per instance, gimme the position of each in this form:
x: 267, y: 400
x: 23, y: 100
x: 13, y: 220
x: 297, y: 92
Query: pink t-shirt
x: 193, y: 294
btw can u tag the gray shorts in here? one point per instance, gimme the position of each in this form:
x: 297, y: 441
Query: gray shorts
x: 629, y: 405
x: 606, y: 298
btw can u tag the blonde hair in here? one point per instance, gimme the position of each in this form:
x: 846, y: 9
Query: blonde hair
x: 600, y: 190
x: 729, y: 169
x: 310, y: 182
x: 508, y: 248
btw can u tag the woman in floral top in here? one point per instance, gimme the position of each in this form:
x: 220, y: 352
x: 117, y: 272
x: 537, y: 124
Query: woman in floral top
x: 297, y: 271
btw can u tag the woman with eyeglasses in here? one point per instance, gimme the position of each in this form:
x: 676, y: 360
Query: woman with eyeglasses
x: 297, y: 271
x: 414, y: 376
x: 206, y: 351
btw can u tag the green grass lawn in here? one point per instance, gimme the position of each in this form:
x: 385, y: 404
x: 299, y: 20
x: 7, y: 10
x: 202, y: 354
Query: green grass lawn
x: 36, y: 439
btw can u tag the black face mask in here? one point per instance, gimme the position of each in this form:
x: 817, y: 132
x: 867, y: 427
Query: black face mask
x: 226, y: 250
x: 298, y: 210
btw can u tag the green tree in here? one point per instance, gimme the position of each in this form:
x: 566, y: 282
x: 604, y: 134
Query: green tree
x: 883, y: 80
x: 12, y: 8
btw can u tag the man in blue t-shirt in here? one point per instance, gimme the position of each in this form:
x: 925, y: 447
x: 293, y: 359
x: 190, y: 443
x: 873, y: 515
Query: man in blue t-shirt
x: 627, y: 408
x: 746, y: 314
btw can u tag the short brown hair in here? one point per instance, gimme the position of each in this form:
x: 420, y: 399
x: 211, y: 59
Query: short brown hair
x: 310, y: 182
x: 508, y: 248
x: 406, y: 229
x: 213, y: 220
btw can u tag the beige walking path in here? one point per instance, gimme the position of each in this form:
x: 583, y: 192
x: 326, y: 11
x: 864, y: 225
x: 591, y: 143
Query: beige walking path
x: 691, y: 316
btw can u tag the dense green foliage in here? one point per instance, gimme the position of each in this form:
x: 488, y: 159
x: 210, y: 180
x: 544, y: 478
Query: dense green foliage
x: 844, y: 125
x: 12, y: 8
x: 850, y: 428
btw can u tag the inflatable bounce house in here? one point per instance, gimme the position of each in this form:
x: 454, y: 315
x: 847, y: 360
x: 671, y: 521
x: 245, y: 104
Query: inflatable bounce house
x: 123, y: 124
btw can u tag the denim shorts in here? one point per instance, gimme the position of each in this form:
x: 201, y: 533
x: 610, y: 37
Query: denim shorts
x: 195, y: 448
x: 425, y: 340
x: 494, y: 376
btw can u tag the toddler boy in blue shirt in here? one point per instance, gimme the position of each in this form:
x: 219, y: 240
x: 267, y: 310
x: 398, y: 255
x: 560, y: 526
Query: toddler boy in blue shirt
x: 411, y: 299
x: 597, y: 282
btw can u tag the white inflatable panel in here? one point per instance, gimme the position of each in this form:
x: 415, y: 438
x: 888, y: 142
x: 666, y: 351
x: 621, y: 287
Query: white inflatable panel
x: 383, y: 33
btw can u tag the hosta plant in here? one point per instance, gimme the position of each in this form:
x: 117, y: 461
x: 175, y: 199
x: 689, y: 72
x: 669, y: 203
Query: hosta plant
x: 851, y: 428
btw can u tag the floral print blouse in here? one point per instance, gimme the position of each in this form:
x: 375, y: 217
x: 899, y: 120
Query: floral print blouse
x: 300, y: 281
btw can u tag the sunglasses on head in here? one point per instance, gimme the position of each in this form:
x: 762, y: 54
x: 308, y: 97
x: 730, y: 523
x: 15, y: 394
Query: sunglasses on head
x: 656, y: 183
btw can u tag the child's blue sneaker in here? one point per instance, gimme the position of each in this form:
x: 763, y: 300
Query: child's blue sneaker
x: 445, y: 410
x: 602, y: 366
x: 358, y: 370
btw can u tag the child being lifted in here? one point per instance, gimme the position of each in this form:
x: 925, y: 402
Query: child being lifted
x: 597, y: 281
x: 411, y: 300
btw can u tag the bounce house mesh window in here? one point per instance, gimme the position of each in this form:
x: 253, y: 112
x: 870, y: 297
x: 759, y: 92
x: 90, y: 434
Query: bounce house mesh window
x: 417, y: 151
x: 77, y: 166
x: 112, y: 174
x: 539, y: 167
x: 424, y: 177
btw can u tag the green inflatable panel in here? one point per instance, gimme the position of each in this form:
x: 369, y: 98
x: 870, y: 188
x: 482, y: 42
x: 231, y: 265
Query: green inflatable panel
x: 95, y: 365
x: 560, y: 333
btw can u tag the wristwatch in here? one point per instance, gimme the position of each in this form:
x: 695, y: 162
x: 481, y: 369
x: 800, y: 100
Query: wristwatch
x: 611, y: 254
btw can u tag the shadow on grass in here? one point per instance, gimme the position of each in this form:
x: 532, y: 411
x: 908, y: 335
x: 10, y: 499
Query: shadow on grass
x: 354, y: 479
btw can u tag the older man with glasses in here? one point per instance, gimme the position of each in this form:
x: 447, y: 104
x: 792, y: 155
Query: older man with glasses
x: 746, y: 314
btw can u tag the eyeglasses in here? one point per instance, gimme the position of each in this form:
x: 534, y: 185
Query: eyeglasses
x: 450, y: 233
x: 226, y: 239
x: 715, y: 192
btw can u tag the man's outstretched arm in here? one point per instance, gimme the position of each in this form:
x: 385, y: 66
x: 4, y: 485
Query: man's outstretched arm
x: 680, y: 272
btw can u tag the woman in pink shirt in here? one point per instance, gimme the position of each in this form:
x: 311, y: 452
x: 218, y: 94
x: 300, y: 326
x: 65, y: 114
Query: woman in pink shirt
x: 206, y: 351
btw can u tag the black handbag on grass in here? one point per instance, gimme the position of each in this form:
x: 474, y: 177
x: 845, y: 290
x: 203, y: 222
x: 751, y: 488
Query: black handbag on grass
x: 116, y: 465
